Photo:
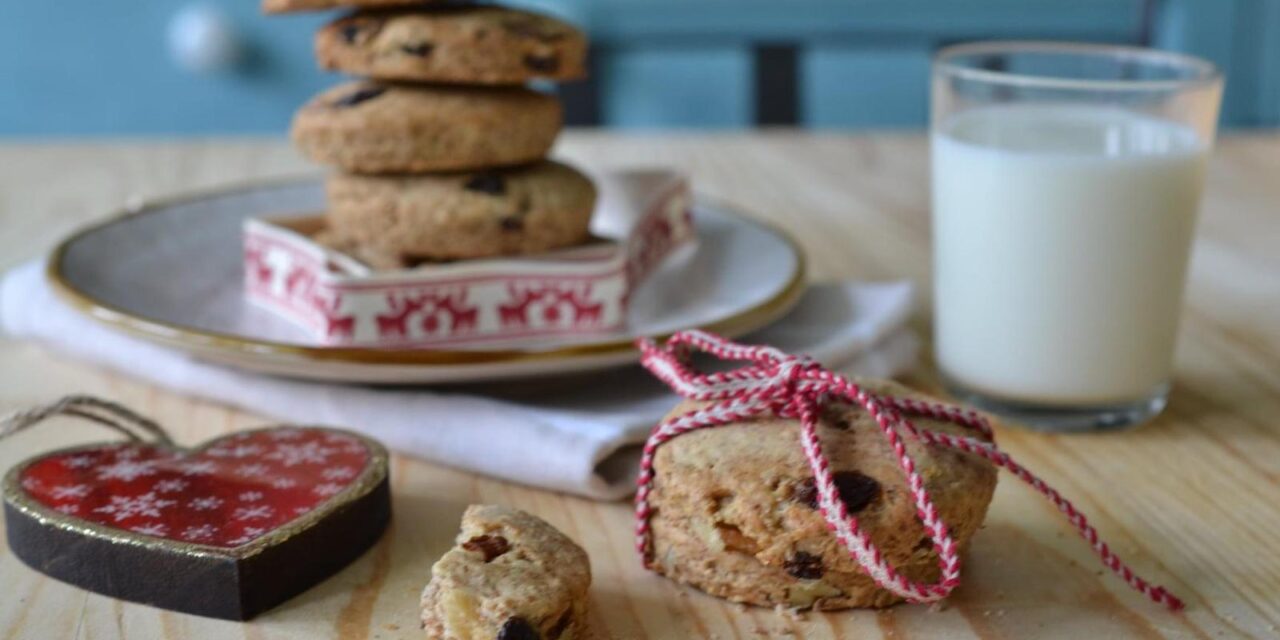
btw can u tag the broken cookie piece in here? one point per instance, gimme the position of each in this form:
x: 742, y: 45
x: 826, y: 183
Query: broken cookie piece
x: 511, y: 576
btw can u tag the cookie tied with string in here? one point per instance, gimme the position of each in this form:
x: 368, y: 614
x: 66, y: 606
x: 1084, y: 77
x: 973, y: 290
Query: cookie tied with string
x: 736, y: 513
x: 777, y: 479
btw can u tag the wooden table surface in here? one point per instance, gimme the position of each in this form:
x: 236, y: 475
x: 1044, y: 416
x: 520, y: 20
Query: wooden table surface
x: 1190, y: 500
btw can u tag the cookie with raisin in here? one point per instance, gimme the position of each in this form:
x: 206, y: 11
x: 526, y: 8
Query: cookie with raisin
x: 472, y: 214
x: 371, y: 127
x: 474, y: 44
x: 736, y: 509
x: 511, y: 576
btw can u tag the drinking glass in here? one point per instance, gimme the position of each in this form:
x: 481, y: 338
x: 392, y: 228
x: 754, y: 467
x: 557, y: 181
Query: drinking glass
x: 1066, y: 186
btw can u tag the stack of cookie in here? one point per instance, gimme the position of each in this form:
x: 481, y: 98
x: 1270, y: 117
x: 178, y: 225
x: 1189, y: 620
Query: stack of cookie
x: 441, y: 150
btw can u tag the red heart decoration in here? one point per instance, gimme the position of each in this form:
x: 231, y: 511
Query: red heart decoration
x: 226, y: 509
x: 227, y: 494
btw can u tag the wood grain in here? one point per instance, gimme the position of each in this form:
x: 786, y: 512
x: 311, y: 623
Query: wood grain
x: 1193, y: 499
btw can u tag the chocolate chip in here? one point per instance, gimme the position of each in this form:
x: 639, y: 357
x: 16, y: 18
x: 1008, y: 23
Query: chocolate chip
x: 360, y: 95
x: 805, y: 566
x: 512, y: 223
x: 490, y: 183
x: 517, y: 628
x: 561, y: 624
x: 490, y: 546
x: 856, y: 490
x: 806, y: 493
x: 355, y: 31
x: 543, y: 64
x: 350, y: 32
x: 420, y: 49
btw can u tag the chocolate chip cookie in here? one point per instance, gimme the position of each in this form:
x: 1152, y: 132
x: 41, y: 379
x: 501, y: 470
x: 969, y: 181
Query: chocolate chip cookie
x: 523, y: 210
x: 468, y: 45
x: 736, y: 508
x: 510, y: 577
x: 370, y: 127
x: 285, y: 6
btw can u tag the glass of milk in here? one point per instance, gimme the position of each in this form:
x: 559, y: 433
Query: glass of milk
x: 1066, y: 183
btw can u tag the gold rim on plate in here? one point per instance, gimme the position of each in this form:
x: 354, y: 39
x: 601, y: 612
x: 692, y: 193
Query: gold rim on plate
x: 200, y: 341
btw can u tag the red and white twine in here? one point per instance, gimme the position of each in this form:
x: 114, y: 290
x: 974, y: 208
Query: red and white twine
x: 778, y: 384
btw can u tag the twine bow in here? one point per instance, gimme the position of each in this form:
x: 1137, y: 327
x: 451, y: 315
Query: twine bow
x: 778, y: 384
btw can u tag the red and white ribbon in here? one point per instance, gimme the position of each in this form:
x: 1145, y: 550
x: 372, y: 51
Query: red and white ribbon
x: 775, y: 383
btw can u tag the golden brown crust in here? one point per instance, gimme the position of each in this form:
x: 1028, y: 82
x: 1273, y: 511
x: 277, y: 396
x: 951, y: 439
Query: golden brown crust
x: 735, y: 512
x: 466, y: 45
x: 368, y: 127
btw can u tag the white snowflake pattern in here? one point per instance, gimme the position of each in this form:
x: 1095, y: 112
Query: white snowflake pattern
x: 70, y: 507
x: 256, y: 512
x: 250, y: 496
x: 284, y: 483
x: 246, y: 535
x: 301, y: 510
x: 201, y: 532
x: 338, y: 473
x: 291, y: 455
x: 82, y: 461
x: 285, y: 434
x: 236, y: 451
x: 31, y: 484
x: 125, y: 507
x: 198, y: 467
x: 327, y: 489
x: 150, y: 529
x: 127, y: 470
x: 206, y: 503
x: 64, y: 491
x: 128, y: 453
x: 171, y: 485
x: 252, y: 470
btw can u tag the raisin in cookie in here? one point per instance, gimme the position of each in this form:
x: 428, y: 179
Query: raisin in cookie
x: 736, y: 509
x: 366, y: 127
x: 469, y: 45
x: 285, y: 6
x: 510, y: 577
x: 525, y: 210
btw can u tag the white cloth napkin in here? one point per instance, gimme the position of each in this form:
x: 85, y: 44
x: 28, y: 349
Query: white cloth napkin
x: 579, y: 435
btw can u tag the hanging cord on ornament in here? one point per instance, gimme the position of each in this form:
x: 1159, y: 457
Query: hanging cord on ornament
x: 104, y: 412
x: 779, y: 384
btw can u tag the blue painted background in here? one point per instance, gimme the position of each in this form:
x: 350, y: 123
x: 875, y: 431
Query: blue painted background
x: 71, y: 67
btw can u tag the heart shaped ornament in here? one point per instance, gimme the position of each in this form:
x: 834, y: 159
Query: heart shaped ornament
x: 227, y: 529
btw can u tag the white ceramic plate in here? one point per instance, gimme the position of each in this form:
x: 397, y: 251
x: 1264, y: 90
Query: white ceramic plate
x: 170, y: 272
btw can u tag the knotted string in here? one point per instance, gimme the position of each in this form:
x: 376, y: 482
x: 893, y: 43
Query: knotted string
x: 104, y: 412
x: 775, y: 383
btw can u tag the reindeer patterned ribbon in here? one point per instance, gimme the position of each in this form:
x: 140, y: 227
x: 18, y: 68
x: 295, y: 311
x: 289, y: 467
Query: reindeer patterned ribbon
x: 775, y: 383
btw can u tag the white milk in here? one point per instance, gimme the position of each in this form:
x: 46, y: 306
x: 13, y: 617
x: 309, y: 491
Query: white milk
x: 1061, y: 237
